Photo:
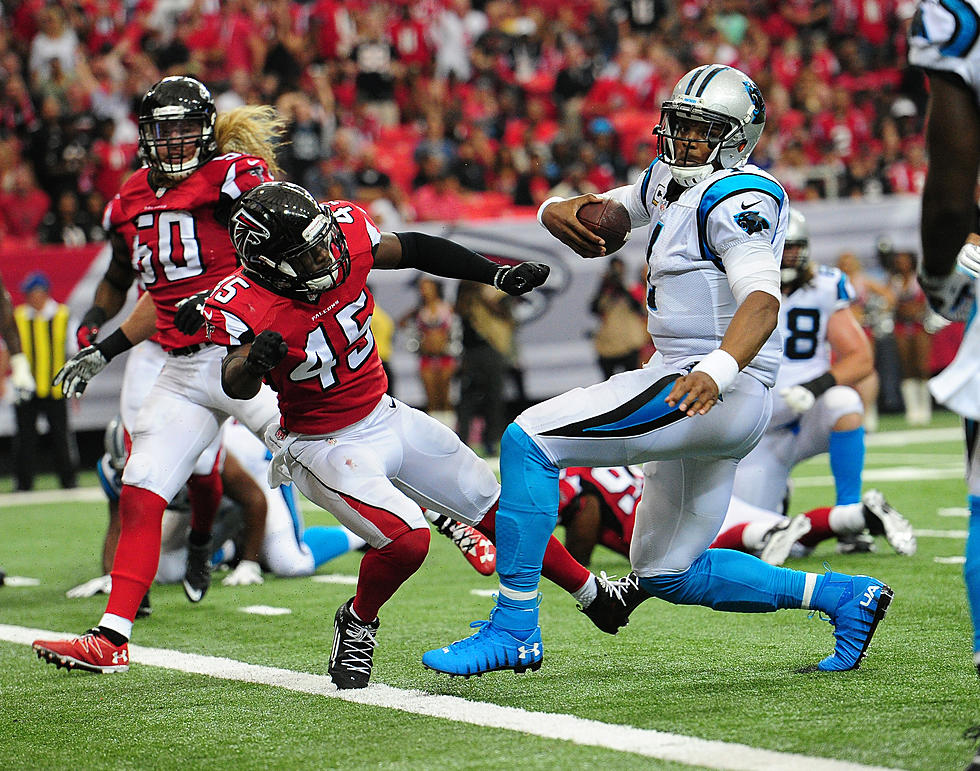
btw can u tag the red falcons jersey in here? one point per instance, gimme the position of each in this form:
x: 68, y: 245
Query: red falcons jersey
x: 178, y: 246
x: 331, y: 376
x: 618, y: 490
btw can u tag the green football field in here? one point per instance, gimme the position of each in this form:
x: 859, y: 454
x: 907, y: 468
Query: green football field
x: 216, y: 687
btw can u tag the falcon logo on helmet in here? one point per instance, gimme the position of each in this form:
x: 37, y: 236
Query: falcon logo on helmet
x: 289, y: 241
x: 246, y: 231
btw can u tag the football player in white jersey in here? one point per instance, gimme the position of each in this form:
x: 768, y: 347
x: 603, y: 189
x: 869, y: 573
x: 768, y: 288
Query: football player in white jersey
x: 815, y: 407
x: 691, y: 413
x: 943, y: 40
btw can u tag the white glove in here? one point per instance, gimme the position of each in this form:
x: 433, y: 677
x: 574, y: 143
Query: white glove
x: 79, y: 369
x: 798, y: 398
x: 21, y: 378
x: 100, y: 585
x: 968, y: 260
x: 246, y: 574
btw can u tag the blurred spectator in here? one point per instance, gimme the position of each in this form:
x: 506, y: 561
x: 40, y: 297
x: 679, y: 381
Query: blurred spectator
x: 22, y: 203
x: 622, y: 329
x: 43, y: 325
x: 376, y: 60
x: 873, y: 309
x: 913, y: 341
x: 435, y: 326
x: 488, y: 344
x: 54, y: 46
x: 66, y: 224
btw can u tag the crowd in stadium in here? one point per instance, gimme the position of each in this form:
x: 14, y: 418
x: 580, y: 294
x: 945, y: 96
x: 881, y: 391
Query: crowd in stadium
x: 449, y: 109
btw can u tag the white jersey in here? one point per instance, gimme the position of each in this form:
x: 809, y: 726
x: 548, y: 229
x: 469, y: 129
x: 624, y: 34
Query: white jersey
x: 689, y: 301
x: 803, y: 319
x: 943, y: 37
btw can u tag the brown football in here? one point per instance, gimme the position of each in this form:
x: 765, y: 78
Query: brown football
x: 609, y: 220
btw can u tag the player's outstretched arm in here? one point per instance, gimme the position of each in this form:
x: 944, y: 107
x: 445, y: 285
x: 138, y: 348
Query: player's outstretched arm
x: 949, y: 195
x: 442, y: 257
x: 110, y: 294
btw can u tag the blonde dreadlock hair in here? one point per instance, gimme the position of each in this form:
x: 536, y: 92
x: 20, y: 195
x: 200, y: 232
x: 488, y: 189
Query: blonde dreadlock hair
x: 253, y: 129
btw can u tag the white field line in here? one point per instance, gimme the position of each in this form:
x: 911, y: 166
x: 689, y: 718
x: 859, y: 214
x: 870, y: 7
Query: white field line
x: 962, y: 534
x: 954, y: 511
x: 591, y: 733
x: 950, y: 560
x: 893, y: 474
x: 914, y: 436
x: 76, y: 495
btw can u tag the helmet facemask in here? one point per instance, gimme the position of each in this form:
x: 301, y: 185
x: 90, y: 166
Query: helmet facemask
x: 690, y: 141
x: 795, y: 269
x: 325, y: 264
x: 175, y: 146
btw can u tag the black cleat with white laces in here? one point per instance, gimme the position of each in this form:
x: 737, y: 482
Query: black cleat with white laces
x: 353, y: 648
x: 197, y: 575
x: 615, y: 600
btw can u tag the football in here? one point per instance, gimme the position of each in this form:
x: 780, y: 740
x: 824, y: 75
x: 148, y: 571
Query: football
x: 609, y: 220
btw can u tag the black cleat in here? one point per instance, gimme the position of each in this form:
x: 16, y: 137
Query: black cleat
x: 197, y: 576
x: 614, y: 601
x: 144, y: 609
x: 353, y: 648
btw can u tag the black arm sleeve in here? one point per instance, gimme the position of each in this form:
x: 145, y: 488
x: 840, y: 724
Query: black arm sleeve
x: 442, y: 257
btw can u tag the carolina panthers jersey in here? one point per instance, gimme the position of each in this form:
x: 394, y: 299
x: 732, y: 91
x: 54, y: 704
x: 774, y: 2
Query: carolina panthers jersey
x: 943, y: 36
x: 331, y: 376
x: 689, y: 301
x: 178, y: 246
x: 803, y: 318
x: 618, y: 489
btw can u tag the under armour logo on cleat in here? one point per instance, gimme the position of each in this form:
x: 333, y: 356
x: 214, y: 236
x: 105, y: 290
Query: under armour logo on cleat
x: 120, y: 657
x: 525, y: 652
x: 869, y: 595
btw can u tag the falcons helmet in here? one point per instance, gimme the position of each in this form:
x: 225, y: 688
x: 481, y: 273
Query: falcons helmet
x: 176, y: 127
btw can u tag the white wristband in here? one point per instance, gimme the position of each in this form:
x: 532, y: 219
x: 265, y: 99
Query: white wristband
x: 545, y: 205
x: 721, y: 367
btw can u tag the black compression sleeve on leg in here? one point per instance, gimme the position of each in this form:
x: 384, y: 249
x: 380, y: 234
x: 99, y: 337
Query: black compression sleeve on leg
x: 442, y: 257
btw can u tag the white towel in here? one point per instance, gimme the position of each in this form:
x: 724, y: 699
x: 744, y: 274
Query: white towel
x: 958, y: 386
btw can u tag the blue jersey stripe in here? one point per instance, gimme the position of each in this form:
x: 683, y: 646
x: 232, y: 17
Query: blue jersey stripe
x: 726, y: 187
x: 966, y: 31
x: 645, y: 185
x: 842, y: 293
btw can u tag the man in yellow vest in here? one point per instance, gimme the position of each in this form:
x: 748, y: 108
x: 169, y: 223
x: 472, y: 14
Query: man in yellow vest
x: 42, y: 324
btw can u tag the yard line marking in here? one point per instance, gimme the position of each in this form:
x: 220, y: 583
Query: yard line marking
x: 888, y: 474
x: 265, y: 610
x: 950, y: 560
x: 914, y: 436
x: 21, y: 581
x: 335, y: 579
x: 590, y: 733
x: 953, y: 512
x: 483, y: 592
x: 75, y: 495
x: 940, y: 533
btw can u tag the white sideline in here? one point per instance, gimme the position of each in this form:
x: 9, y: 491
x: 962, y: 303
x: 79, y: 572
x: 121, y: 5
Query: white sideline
x: 592, y: 733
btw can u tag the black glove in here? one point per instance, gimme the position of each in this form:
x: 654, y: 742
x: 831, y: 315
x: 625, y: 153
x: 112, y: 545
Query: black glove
x: 88, y: 330
x: 189, y: 318
x: 268, y: 349
x: 521, y: 279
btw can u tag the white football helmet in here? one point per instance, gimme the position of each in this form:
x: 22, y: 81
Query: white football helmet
x: 794, y: 270
x: 730, y: 105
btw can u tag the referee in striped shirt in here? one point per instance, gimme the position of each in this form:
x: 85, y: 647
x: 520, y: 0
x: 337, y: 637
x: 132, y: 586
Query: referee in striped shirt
x: 42, y: 324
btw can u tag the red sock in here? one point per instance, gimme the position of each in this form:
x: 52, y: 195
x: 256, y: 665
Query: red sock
x: 138, y: 552
x: 558, y: 566
x: 204, y: 492
x: 819, y: 527
x: 384, y: 570
x: 730, y: 538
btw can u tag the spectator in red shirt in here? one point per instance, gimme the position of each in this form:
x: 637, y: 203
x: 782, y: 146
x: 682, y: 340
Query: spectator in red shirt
x: 22, y: 203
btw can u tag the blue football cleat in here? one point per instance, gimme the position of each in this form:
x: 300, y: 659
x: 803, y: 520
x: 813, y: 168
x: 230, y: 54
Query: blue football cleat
x: 862, y: 604
x: 488, y: 650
